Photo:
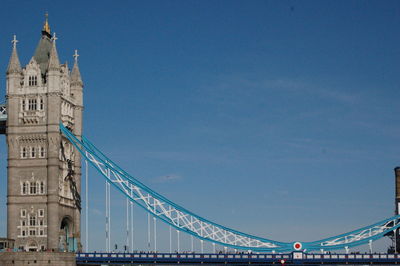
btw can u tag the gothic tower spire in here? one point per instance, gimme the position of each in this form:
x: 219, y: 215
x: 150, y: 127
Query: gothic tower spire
x: 14, y: 65
x: 54, y: 63
x: 76, y: 74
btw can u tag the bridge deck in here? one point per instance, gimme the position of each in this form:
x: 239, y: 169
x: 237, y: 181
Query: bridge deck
x: 297, y: 258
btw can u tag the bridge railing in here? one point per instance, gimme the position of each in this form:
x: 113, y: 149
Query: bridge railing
x: 223, y: 258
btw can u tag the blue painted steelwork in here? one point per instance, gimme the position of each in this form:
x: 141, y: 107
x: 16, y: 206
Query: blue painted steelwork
x: 3, y: 118
x: 3, y: 112
x: 186, y: 221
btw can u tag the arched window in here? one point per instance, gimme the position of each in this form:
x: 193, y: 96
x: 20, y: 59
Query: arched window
x: 33, y: 152
x: 32, y: 104
x: 32, y: 220
x: 42, y: 187
x: 42, y: 152
x: 32, y: 81
x: 33, y: 190
x: 25, y: 188
x: 24, y: 152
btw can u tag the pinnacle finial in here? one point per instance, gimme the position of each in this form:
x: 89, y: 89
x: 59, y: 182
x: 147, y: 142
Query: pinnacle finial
x: 46, y: 27
x: 54, y: 38
x: 14, y: 41
x: 76, y: 55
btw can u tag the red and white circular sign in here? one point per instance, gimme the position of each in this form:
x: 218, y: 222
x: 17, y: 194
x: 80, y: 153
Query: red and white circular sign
x: 297, y: 245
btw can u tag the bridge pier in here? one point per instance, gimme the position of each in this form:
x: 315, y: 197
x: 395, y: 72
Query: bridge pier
x: 37, y: 258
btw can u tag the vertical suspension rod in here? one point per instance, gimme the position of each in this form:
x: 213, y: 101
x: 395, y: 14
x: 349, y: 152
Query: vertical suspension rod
x: 177, y: 235
x: 109, y: 210
x: 170, y: 239
x: 87, y: 206
x: 155, y: 234
x: 107, y: 249
x: 132, y: 232
x: 148, y: 231
x: 127, y: 225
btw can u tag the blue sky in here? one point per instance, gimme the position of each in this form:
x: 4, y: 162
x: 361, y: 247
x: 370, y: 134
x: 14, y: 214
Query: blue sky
x: 276, y: 118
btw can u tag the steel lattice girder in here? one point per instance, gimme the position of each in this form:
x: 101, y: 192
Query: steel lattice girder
x: 203, y: 229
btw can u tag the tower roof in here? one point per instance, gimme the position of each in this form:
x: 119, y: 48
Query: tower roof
x: 42, y: 53
x: 14, y: 66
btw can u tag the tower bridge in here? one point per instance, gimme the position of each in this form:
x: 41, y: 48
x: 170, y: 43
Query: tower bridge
x: 42, y: 121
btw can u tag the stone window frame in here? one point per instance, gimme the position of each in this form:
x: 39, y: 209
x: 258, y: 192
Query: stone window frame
x: 41, y: 213
x: 23, y: 105
x: 33, y: 189
x: 41, y: 152
x: 23, y: 232
x: 42, y: 188
x: 24, y: 152
x: 32, y: 231
x: 41, y: 104
x: 23, y: 213
x: 32, y: 80
x: 32, y: 152
x: 25, y: 188
x: 32, y: 220
x: 32, y: 104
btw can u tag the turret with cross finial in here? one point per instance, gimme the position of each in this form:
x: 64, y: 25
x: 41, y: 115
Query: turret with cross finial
x: 54, y: 63
x: 76, y: 80
x: 14, y: 65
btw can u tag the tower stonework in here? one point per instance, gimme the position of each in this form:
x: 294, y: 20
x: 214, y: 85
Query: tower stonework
x: 44, y: 171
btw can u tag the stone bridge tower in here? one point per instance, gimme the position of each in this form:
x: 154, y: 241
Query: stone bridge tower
x: 44, y: 171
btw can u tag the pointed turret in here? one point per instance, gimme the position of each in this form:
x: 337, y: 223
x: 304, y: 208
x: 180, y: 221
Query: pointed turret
x: 14, y: 71
x: 77, y: 85
x: 54, y: 63
x: 53, y: 69
x: 76, y: 79
x: 14, y: 66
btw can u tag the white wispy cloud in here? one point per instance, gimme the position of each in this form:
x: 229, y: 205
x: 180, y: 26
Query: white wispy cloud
x: 188, y: 156
x: 234, y: 90
x: 97, y: 212
x: 167, y: 178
